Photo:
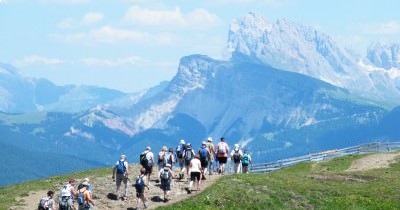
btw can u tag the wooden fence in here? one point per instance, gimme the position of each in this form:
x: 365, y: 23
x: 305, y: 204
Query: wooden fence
x: 374, y: 147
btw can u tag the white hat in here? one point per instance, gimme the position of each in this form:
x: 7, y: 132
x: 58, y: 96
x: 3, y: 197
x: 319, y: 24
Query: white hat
x: 148, y: 148
x: 168, y: 165
x: 203, y: 143
x: 86, y: 179
x: 123, y: 157
x: 236, y: 145
x: 209, y: 139
x: 182, y: 141
x: 85, y: 183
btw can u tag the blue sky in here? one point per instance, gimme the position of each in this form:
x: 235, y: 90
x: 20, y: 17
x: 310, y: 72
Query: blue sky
x: 130, y: 45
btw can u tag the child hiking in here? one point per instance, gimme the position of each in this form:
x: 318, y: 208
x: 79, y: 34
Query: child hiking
x: 139, y: 185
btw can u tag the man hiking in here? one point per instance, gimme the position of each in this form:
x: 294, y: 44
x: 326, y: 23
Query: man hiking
x: 211, y: 148
x: 120, y: 174
x: 166, y: 175
x: 204, y: 154
x: 160, y: 159
x: 147, y: 161
x: 169, y: 157
x: 179, y: 154
x: 236, y: 157
x: 222, y: 155
x: 188, y: 155
x: 139, y: 185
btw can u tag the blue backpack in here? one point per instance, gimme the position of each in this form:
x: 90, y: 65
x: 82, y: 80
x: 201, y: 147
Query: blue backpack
x: 81, y: 198
x: 203, y: 154
x: 121, y: 167
x: 245, y: 160
x: 139, y: 184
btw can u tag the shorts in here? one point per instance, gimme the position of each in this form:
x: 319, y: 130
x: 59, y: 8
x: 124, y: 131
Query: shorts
x: 194, y: 175
x: 165, y: 185
x: 149, y: 169
x: 222, y: 159
x: 204, y: 163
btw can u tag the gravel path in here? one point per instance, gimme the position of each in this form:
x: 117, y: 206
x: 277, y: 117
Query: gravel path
x: 380, y: 160
x: 105, y: 198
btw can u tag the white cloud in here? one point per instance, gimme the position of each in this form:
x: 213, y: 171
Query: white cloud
x: 132, y: 60
x: 109, y: 34
x: 64, y: 1
x: 391, y: 27
x: 41, y: 60
x: 196, y: 18
x: 92, y: 17
x: 66, y: 23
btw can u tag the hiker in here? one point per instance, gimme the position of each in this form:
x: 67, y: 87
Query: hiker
x: 179, y: 153
x: 120, y: 174
x: 160, y: 159
x: 147, y: 161
x: 166, y: 175
x: 68, y: 193
x: 188, y: 155
x: 236, y: 157
x: 211, y: 148
x: 169, y: 157
x: 139, y: 185
x: 84, y: 198
x: 47, y: 202
x: 204, y: 154
x: 246, y: 161
x: 195, y: 173
x: 89, y: 188
x: 222, y: 155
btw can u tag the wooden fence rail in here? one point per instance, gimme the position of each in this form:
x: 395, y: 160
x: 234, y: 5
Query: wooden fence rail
x: 325, y: 155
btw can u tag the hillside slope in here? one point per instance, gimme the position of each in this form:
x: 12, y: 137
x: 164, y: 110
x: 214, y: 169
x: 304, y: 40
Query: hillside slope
x: 315, y: 185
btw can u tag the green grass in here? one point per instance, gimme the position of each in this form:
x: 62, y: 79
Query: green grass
x: 9, y: 194
x: 322, y: 185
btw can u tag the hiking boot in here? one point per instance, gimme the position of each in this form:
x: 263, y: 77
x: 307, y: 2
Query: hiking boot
x: 203, y: 178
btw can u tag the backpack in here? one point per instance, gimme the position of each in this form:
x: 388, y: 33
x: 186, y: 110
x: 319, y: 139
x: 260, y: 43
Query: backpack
x: 63, y: 204
x: 139, y: 184
x: 143, y: 160
x: 167, y: 159
x: 43, y: 203
x: 179, y: 150
x: 245, y: 160
x: 188, y: 155
x: 221, y: 148
x: 203, y: 154
x: 165, y: 174
x: 236, y: 157
x: 81, y: 198
x: 121, y: 167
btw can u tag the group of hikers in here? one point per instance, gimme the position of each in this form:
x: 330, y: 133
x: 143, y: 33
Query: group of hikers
x: 209, y: 159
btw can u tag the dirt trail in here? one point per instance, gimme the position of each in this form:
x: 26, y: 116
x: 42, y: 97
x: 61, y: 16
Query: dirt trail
x: 380, y: 160
x: 104, y: 193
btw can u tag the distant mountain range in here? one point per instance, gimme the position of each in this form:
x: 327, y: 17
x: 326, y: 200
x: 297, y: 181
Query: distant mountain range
x: 22, y: 94
x: 286, y: 90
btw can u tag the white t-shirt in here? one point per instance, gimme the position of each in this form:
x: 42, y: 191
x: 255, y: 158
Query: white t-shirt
x: 195, y: 165
x: 150, y: 157
x: 66, y: 190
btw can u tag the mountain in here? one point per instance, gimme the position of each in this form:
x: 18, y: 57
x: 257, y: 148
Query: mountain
x: 385, y: 56
x: 293, y: 47
x: 43, y: 95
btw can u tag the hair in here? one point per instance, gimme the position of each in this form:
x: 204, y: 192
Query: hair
x: 222, y: 139
x: 50, y: 193
x: 142, y: 170
x: 71, y: 181
x: 197, y: 156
